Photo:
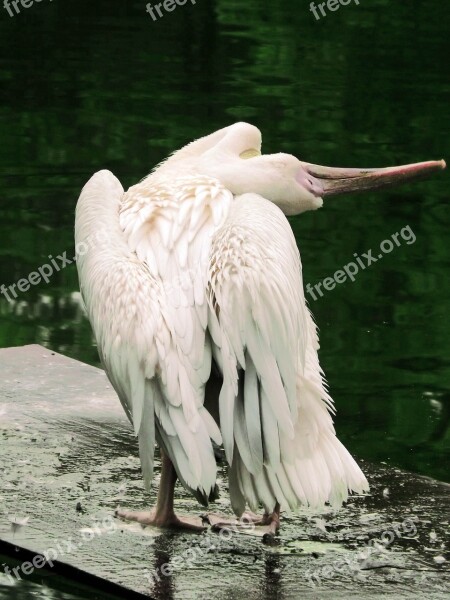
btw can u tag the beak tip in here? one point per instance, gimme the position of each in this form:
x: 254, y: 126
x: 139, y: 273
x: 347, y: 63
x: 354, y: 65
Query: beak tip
x: 443, y: 164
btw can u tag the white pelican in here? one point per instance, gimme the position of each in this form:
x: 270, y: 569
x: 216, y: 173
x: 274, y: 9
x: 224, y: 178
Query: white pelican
x: 196, y: 300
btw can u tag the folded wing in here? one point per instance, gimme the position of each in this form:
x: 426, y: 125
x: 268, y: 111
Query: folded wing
x: 274, y: 409
x: 144, y: 290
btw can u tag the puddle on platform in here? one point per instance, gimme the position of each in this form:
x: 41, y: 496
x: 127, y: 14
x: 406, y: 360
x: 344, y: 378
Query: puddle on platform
x: 311, y: 547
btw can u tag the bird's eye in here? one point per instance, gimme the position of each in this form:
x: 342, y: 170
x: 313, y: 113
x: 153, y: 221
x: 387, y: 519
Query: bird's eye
x: 250, y: 153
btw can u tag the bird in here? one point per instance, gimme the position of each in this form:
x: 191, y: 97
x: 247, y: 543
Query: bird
x: 195, y: 296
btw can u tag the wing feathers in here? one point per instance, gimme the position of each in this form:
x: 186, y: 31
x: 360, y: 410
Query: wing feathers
x: 252, y: 417
x: 147, y: 436
x: 277, y: 431
x: 145, y: 291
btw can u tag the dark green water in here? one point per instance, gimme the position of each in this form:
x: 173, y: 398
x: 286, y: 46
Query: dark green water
x: 91, y: 85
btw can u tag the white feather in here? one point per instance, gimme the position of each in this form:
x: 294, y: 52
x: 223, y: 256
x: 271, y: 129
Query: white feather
x: 259, y: 321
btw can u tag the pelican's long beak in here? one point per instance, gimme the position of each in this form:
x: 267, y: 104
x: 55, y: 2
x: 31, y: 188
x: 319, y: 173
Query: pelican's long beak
x: 350, y: 181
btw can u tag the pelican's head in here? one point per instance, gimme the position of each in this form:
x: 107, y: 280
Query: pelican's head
x: 233, y: 156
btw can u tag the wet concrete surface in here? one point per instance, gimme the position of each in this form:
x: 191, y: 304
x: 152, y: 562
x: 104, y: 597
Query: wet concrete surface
x: 68, y: 458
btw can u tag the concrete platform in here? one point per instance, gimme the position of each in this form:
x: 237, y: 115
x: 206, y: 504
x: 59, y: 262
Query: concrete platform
x: 68, y: 458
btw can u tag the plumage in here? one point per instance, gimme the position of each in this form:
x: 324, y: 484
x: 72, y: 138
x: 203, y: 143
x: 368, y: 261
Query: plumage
x: 199, y: 278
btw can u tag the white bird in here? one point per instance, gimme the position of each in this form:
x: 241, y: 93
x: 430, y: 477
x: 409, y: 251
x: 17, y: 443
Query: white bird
x: 195, y: 295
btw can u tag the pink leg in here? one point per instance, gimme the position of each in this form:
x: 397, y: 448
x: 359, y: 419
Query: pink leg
x: 269, y: 523
x: 163, y: 515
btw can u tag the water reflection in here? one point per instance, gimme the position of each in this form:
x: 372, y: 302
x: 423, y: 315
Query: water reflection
x: 164, y: 585
x: 273, y: 577
x: 166, y: 552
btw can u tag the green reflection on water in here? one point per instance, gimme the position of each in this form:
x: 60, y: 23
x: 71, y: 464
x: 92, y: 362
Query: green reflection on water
x: 89, y: 86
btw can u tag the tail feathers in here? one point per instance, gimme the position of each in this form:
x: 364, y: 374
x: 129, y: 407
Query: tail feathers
x: 181, y: 464
x: 189, y: 445
x: 314, y: 468
x: 146, y: 436
x: 326, y: 477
